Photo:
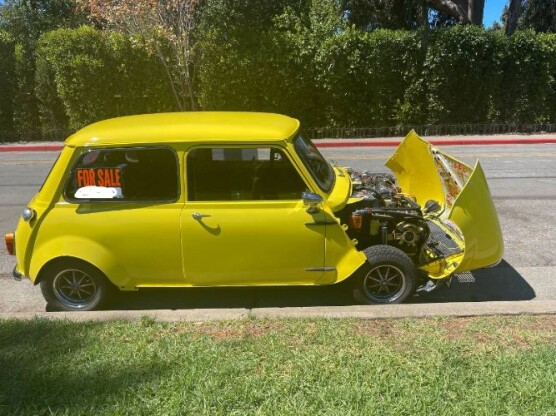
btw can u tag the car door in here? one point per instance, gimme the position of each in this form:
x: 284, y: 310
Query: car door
x: 122, y: 212
x: 244, y: 222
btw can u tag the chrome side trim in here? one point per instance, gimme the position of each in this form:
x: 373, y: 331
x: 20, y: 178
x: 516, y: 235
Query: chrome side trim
x: 320, y: 269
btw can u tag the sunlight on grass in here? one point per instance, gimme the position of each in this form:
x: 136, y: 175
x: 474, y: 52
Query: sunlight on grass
x: 480, y: 366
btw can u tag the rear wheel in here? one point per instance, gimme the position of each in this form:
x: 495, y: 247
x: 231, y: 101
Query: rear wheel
x: 388, y: 276
x: 73, y: 285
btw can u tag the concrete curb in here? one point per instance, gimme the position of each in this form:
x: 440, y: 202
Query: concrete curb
x: 533, y: 307
x: 462, y: 309
x: 188, y: 315
x: 378, y: 142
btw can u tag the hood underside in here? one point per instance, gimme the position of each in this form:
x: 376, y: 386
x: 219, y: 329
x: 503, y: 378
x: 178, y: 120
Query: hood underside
x: 427, y: 173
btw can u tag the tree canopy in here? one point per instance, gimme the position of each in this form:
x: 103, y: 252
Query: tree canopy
x: 349, y: 63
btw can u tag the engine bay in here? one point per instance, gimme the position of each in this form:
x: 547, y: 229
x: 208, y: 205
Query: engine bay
x: 383, y: 214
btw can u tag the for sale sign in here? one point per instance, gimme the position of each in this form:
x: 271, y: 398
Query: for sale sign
x: 108, y: 177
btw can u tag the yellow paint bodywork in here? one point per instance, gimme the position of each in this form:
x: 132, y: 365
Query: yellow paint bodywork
x: 188, y: 127
x: 242, y: 242
x: 427, y: 173
x: 161, y: 245
x: 341, y: 192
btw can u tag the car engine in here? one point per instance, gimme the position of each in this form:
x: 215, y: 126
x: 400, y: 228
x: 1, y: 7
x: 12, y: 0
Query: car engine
x: 384, y: 215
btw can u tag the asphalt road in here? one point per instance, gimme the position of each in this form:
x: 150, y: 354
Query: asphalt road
x: 522, y: 180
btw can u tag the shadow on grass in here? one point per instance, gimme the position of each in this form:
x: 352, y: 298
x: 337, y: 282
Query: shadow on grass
x: 502, y: 282
x: 50, y: 365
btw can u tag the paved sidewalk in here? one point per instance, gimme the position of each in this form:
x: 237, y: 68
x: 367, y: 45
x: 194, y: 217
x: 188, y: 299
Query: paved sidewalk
x: 531, y: 307
x: 371, y: 142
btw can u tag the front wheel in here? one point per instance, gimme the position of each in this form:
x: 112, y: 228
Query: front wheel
x: 73, y: 285
x: 388, y: 276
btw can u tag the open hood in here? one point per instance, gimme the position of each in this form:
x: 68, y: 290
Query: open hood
x: 427, y: 173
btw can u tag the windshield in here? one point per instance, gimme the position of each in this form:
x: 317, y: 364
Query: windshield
x: 316, y: 164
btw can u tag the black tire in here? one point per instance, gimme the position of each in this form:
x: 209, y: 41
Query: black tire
x: 73, y: 285
x: 389, y: 276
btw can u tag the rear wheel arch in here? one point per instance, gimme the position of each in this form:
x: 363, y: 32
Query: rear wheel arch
x: 60, y: 261
x: 71, y: 247
x: 71, y: 284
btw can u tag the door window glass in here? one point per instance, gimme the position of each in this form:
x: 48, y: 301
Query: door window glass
x: 227, y: 174
x: 131, y: 174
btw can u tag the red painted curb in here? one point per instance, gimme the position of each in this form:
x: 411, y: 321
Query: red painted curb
x: 459, y: 142
x: 336, y: 143
x: 32, y: 148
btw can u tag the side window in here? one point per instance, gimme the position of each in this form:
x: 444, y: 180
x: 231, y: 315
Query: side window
x: 131, y: 174
x: 227, y: 174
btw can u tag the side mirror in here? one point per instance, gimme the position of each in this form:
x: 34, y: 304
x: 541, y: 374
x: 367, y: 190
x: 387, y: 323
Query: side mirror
x: 311, y: 200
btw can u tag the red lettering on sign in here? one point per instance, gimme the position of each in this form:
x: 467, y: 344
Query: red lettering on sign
x: 109, y: 177
x: 79, y: 176
x: 85, y: 177
x: 115, y: 177
x: 100, y: 180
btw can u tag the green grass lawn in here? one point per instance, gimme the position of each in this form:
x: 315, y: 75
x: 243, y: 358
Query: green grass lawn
x: 440, y: 366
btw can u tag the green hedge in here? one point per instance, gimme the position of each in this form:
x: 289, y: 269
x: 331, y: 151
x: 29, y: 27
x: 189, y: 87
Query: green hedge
x: 86, y: 75
x: 371, y: 79
x: 304, y: 61
x: 307, y: 63
x: 529, y: 84
x: 463, y: 75
x: 7, y: 81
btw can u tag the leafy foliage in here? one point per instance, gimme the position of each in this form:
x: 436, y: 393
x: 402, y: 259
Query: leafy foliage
x: 99, y: 75
x: 463, y: 74
x: 528, y: 83
x: 380, y: 14
x: 7, y: 78
x: 307, y: 58
x: 539, y: 15
x: 368, y: 76
x: 261, y: 56
x: 25, y: 21
x: 167, y: 28
x: 303, y: 59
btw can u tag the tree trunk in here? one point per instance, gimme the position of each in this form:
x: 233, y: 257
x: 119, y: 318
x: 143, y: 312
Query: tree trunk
x: 476, y: 9
x: 513, y: 15
x: 466, y: 11
x: 457, y: 9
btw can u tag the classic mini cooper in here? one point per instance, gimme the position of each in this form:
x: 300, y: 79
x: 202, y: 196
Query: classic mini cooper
x: 244, y: 199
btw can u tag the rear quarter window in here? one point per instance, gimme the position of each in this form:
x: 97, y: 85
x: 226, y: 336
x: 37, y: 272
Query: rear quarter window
x: 130, y: 174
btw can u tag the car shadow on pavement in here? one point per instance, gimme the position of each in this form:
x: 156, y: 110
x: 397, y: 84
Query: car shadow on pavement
x: 498, y: 283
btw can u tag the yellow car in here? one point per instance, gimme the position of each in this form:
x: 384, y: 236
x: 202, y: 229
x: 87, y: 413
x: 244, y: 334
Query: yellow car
x: 243, y: 199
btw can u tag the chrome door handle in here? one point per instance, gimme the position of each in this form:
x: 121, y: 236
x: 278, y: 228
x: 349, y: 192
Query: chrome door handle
x: 198, y: 216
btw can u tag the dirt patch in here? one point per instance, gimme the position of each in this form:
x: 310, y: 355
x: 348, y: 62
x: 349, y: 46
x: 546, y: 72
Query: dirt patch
x: 481, y: 333
x: 502, y: 332
x: 456, y: 329
x: 239, y: 330
x: 381, y: 329
x: 542, y: 323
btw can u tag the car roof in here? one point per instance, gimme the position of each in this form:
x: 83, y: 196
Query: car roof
x: 193, y: 126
